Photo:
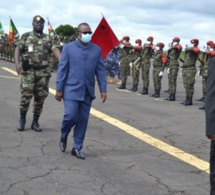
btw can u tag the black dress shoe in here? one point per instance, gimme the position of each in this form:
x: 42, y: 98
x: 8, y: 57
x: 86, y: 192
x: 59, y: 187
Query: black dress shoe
x: 62, y: 145
x: 77, y: 153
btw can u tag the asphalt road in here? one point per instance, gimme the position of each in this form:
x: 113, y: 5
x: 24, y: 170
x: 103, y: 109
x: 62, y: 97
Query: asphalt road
x: 117, y: 162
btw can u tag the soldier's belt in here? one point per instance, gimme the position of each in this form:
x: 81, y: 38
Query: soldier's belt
x: 38, y: 67
x: 188, y: 66
x: 157, y: 66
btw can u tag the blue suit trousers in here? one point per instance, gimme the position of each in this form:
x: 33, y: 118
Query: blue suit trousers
x: 76, y: 114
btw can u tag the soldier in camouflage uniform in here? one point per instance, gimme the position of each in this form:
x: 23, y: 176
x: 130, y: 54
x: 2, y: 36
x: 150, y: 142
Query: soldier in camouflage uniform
x: 205, y: 55
x: 1, y: 48
x: 136, y: 59
x: 189, y: 71
x: 35, y: 48
x: 203, y: 59
x: 148, y: 49
x: 173, y: 67
x: 159, y: 64
x: 125, y: 61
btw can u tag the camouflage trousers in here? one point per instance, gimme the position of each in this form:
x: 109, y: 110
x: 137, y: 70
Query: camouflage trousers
x: 172, y: 78
x: 204, y: 85
x: 125, y: 70
x: 53, y: 63
x: 135, y: 74
x: 145, y: 72
x: 157, y: 78
x: 36, y: 86
x: 189, y: 74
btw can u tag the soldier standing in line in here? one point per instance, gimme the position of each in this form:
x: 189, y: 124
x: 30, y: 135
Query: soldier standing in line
x: 173, y: 67
x: 159, y: 64
x: 189, y: 71
x: 136, y: 63
x: 203, y: 70
x: 1, y: 48
x: 34, y: 47
x: 209, y: 52
x: 148, y: 50
x: 124, y: 60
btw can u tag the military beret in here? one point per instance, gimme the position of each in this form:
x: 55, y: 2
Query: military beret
x: 160, y: 44
x: 194, y: 41
x: 176, y: 39
x: 209, y: 42
x: 38, y: 18
x: 126, y: 37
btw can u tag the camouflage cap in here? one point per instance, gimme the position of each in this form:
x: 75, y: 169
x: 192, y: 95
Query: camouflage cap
x: 38, y: 18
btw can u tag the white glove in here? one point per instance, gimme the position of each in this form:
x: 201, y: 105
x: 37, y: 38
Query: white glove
x: 61, y: 43
x: 199, y: 73
x: 167, y: 71
x: 161, y: 74
x: 130, y: 64
x: 121, y: 45
x: 181, y: 74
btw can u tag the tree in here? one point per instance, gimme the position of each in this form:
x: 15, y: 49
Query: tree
x: 65, y: 30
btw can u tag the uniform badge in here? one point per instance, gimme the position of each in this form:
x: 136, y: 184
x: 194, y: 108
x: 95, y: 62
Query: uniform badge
x: 38, y: 18
x: 30, y: 48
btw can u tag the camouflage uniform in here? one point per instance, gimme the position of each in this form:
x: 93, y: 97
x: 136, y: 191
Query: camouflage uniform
x: 124, y: 64
x: 174, y: 54
x: 135, y: 55
x: 203, y: 73
x: 157, y: 68
x: 34, y: 82
x: 53, y: 61
x: 145, y: 67
x: 189, y: 73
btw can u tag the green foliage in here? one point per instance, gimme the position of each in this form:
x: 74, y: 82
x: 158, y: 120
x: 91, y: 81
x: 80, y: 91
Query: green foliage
x: 182, y: 56
x: 65, y: 30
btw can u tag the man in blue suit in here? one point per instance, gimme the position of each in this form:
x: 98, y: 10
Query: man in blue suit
x: 79, y: 63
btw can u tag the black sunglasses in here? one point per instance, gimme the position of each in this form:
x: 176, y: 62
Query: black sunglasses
x: 87, y: 32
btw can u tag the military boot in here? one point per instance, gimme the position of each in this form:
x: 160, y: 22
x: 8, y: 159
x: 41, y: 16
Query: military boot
x: 22, y: 121
x: 202, y: 99
x: 157, y: 94
x: 153, y: 95
x: 184, y: 100
x: 144, y: 91
x: 122, y: 86
x: 35, y: 124
x: 172, y: 97
x: 134, y: 88
x: 202, y: 107
x: 189, y: 102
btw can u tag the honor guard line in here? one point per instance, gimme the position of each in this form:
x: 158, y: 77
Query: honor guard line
x: 171, y: 150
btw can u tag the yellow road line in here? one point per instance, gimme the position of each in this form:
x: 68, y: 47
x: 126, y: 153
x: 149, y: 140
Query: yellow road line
x: 171, y: 150
x: 9, y: 77
x: 9, y: 70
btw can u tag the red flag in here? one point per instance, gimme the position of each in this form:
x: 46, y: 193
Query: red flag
x: 104, y: 37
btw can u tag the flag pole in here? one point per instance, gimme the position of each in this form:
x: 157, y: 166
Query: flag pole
x: 54, y: 31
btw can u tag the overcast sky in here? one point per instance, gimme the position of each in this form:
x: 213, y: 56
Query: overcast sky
x: 162, y: 19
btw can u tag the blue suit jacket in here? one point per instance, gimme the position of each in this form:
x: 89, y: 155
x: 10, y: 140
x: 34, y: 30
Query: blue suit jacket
x: 77, y: 69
